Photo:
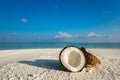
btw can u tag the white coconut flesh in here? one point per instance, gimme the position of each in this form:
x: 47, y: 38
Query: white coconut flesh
x: 73, y: 59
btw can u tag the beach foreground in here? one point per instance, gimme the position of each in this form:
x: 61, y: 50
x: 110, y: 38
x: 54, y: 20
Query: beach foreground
x: 43, y: 64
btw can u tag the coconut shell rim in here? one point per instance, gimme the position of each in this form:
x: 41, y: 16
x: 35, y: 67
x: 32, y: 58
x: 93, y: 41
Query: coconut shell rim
x: 63, y: 64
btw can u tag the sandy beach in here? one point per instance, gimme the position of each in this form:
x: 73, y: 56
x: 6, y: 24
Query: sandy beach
x: 43, y: 64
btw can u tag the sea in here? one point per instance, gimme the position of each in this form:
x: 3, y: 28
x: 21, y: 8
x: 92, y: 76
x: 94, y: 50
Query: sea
x: 37, y: 45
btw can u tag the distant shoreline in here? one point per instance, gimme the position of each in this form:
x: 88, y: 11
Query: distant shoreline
x: 36, y: 45
x: 60, y: 42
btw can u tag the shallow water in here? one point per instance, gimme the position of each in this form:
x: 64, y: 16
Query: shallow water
x: 33, y: 45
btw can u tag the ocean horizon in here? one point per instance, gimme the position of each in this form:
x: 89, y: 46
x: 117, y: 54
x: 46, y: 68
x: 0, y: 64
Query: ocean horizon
x: 36, y: 45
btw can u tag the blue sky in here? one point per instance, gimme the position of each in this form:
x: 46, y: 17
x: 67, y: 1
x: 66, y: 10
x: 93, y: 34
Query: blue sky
x: 59, y: 20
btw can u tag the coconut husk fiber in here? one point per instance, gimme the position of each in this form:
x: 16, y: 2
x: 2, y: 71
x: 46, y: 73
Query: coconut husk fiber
x: 91, y: 60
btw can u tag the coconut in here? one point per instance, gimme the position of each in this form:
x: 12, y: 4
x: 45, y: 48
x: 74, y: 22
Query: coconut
x: 72, y: 59
x: 91, y: 60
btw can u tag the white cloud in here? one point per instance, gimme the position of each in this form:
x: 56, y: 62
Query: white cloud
x: 23, y: 20
x: 91, y: 34
x: 63, y: 35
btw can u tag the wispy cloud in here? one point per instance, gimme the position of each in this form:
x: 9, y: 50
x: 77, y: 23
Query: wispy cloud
x: 63, y: 35
x: 59, y: 37
x: 91, y: 34
x: 24, y: 20
x: 95, y: 35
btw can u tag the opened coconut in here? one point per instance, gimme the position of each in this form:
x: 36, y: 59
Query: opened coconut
x: 72, y: 59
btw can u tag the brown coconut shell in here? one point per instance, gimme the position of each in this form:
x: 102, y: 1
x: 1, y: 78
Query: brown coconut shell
x: 91, y: 60
x: 66, y: 69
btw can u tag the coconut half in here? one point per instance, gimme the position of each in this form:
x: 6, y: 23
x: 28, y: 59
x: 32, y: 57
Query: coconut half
x: 91, y: 60
x: 72, y: 59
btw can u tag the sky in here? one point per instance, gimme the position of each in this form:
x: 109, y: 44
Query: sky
x: 59, y: 20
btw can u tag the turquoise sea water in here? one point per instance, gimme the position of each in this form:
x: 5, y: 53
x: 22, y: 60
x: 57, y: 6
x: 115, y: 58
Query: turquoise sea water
x: 35, y: 45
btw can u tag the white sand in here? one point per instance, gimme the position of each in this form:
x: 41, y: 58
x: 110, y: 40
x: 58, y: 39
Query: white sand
x: 43, y: 64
